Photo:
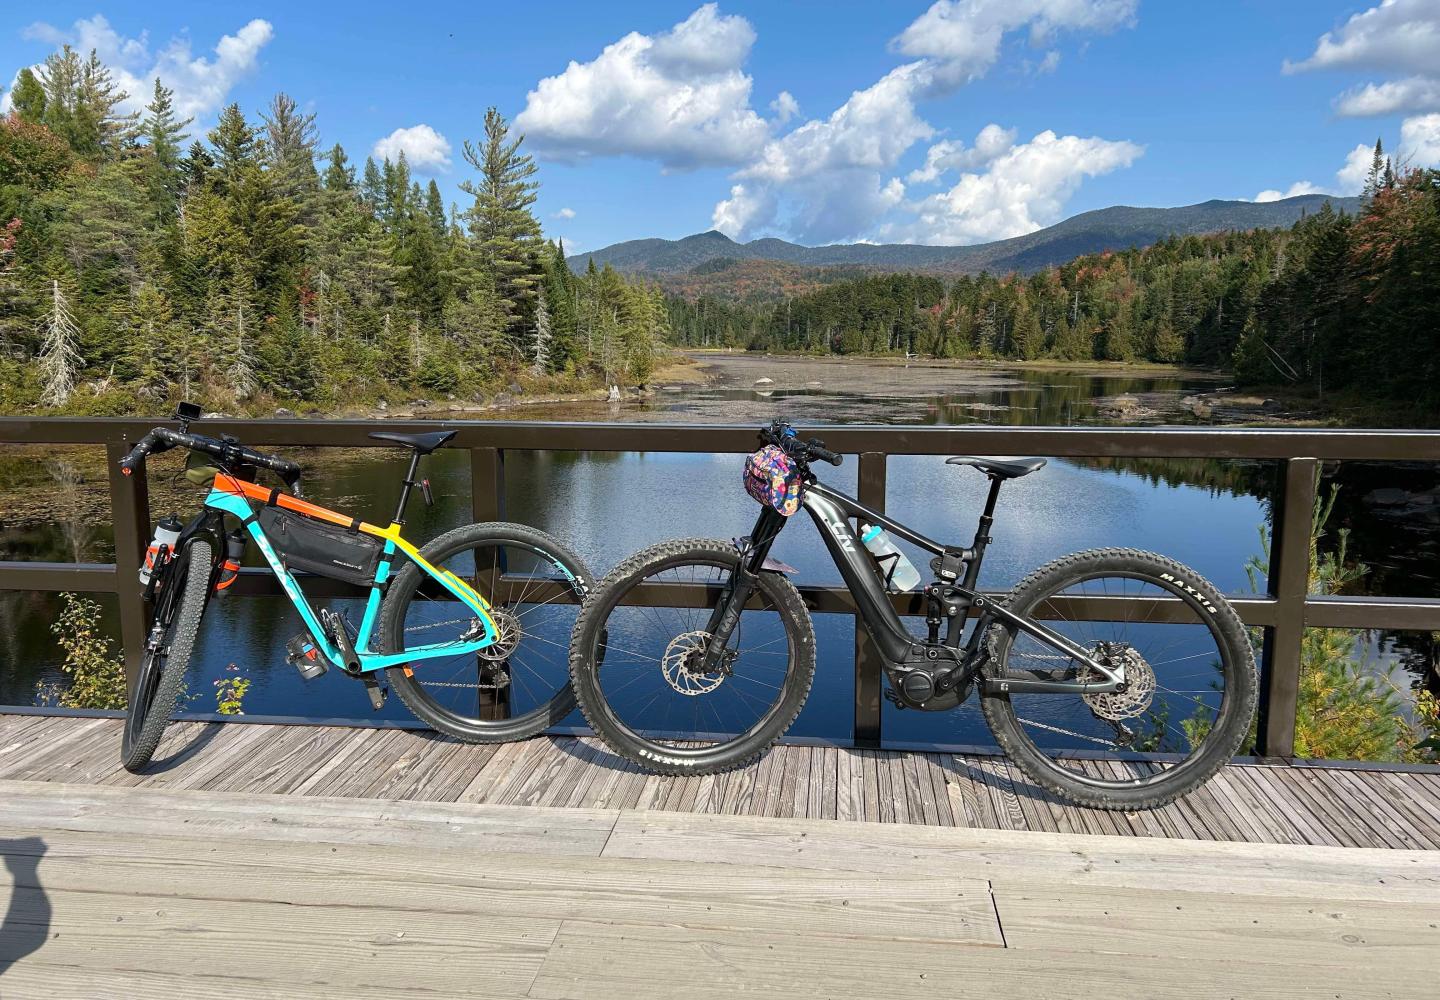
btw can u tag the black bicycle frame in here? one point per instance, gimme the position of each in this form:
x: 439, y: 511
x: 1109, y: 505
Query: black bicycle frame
x: 832, y: 512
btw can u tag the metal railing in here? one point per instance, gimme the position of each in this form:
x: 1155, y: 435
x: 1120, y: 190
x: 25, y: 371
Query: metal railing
x: 1283, y: 613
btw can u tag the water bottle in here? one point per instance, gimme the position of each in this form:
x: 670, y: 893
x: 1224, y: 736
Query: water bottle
x: 902, y: 572
x: 167, y: 533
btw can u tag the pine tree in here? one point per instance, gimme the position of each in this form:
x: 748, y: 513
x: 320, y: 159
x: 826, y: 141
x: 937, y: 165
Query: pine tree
x: 59, y: 362
x: 1376, y: 174
x: 28, y: 97
x: 339, y: 175
x: 542, y: 335
x: 235, y: 145
x: 501, y: 220
x: 290, y: 148
x: 164, y: 135
x: 417, y: 344
x: 241, y: 370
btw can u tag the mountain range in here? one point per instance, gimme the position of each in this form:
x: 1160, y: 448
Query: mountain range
x: 705, y: 260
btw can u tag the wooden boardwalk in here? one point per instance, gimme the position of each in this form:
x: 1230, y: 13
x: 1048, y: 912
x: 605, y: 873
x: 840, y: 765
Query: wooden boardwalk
x: 1255, y: 803
x: 297, y: 861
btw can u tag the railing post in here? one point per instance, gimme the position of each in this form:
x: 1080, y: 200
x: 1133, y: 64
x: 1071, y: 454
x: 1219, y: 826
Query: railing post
x: 869, y: 665
x: 487, y: 484
x: 130, y: 508
x: 1289, y: 584
x: 487, y: 503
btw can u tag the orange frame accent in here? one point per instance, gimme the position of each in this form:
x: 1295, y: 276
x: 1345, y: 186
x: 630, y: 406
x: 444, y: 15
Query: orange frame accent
x: 251, y: 491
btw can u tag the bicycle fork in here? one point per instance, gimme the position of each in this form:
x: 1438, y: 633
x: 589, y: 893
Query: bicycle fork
x: 741, y: 586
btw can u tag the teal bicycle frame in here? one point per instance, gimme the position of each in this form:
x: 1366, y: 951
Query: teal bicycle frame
x: 232, y: 496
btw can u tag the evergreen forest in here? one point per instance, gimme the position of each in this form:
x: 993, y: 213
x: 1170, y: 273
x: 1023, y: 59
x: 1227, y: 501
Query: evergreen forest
x: 249, y: 269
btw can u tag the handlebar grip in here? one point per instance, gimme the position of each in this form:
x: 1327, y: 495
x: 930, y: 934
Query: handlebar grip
x: 143, y: 447
x: 825, y: 454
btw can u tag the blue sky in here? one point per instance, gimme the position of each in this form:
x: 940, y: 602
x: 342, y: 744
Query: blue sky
x: 952, y: 122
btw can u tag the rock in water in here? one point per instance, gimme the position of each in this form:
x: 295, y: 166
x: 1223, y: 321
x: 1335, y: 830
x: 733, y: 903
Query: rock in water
x: 614, y: 395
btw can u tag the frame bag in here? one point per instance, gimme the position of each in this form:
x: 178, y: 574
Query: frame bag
x: 312, y: 546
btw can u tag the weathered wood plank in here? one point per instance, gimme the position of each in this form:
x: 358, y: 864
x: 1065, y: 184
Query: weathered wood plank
x: 33, y: 978
x: 363, y: 946
x: 1220, y: 866
x: 594, y: 960
x: 490, y: 886
x: 437, y: 825
x: 1195, y: 924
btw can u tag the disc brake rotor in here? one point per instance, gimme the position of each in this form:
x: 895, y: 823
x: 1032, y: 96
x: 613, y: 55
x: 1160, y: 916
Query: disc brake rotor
x: 1139, y: 683
x: 682, y: 661
x: 509, y: 637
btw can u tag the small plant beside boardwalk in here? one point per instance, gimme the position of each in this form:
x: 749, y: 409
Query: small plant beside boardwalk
x: 1347, y: 708
x: 95, y: 671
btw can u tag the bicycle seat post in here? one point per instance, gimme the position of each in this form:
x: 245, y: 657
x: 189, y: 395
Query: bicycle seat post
x: 982, y: 533
x: 406, y: 486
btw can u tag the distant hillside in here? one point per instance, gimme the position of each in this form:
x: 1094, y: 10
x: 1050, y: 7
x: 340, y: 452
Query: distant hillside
x: 710, y: 261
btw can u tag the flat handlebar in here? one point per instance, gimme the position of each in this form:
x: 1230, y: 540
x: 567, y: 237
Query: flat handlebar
x: 781, y: 434
x: 229, y: 452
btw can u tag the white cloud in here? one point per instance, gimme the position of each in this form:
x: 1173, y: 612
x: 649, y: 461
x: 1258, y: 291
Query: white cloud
x: 678, y: 97
x: 1049, y: 64
x: 747, y: 208
x: 872, y: 129
x: 1349, y: 179
x: 1415, y: 93
x: 201, y: 83
x: 948, y: 154
x: 1021, y: 190
x: 1399, y: 35
x: 785, y: 107
x: 425, y: 149
x: 564, y: 213
x: 1351, y: 176
x: 1420, y: 141
x: 964, y: 37
x: 1295, y: 190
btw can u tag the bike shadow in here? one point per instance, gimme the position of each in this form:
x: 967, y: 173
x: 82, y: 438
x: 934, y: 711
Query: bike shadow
x: 593, y: 752
x: 179, y: 755
x: 25, y: 926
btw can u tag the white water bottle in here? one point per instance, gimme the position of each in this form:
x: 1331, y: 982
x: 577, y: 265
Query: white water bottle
x: 901, y: 571
x: 167, y: 533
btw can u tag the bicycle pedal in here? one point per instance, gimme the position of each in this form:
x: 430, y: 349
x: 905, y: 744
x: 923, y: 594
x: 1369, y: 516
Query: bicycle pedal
x: 376, y: 693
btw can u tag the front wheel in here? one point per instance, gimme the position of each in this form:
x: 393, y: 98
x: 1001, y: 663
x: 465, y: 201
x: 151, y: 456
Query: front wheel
x: 520, y: 685
x: 1191, y: 684
x: 639, y: 663
x: 180, y: 602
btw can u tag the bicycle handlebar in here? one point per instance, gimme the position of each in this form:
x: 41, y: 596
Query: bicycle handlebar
x: 781, y: 434
x: 229, y: 452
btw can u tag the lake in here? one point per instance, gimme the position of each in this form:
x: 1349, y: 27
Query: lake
x: 1205, y: 514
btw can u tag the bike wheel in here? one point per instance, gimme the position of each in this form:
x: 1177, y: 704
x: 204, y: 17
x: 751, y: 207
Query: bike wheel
x: 516, y: 688
x: 1190, y: 697
x: 178, y: 610
x: 632, y: 661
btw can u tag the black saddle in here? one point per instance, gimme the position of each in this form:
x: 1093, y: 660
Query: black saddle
x: 422, y: 443
x: 1000, y: 468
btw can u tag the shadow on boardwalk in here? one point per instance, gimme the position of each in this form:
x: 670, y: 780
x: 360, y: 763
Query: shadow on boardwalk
x: 26, y: 923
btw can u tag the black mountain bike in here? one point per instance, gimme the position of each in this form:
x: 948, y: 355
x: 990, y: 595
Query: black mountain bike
x: 1098, y: 652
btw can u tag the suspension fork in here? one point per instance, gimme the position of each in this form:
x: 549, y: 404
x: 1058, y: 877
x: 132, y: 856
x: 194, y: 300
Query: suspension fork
x: 741, y: 585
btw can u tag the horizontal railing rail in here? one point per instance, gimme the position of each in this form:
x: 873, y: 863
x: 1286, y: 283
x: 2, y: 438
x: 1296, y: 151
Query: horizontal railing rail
x: 1283, y: 613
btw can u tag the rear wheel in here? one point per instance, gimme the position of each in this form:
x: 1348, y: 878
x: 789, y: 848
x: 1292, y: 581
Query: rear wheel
x: 1191, y: 683
x: 180, y: 603
x: 516, y: 688
x: 638, y: 667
